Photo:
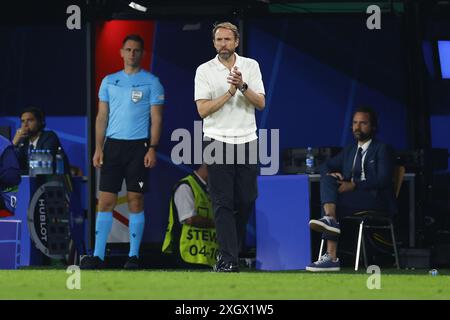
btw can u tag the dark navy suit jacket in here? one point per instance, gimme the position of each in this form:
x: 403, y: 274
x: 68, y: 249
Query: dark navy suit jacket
x: 378, y: 165
x: 48, y: 140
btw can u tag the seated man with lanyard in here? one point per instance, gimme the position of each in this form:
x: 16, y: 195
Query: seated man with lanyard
x: 9, y: 178
x: 31, y: 135
x: 191, y: 235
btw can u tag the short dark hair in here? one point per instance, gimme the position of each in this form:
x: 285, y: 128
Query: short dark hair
x: 134, y: 37
x: 372, y: 115
x: 37, y: 113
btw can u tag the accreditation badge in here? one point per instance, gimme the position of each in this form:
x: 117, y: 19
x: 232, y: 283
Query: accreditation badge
x: 136, y: 96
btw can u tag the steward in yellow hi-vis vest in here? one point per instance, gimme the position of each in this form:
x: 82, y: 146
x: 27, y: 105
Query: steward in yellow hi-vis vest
x: 195, y: 245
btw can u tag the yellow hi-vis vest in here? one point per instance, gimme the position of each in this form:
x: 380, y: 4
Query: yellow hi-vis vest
x: 196, y: 245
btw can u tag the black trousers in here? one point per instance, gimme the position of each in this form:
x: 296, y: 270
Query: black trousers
x: 233, y: 191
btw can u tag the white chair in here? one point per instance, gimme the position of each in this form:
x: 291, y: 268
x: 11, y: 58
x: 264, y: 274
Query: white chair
x: 382, y: 220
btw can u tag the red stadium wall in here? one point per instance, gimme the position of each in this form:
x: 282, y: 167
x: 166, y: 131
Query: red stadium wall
x: 108, y: 41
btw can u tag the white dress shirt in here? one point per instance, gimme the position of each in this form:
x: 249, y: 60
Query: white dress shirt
x: 364, y: 147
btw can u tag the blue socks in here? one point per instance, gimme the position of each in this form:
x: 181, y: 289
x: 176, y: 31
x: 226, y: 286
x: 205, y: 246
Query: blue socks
x: 136, y: 226
x: 103, y: 226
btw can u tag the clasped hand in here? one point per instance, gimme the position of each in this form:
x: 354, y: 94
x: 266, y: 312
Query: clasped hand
x: 344, y: 186
x: 235, y: 79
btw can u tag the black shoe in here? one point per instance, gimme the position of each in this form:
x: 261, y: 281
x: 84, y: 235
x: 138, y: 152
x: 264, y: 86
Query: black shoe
x: 222, y: 266
x: 132, y: 263
x: 91, y: 263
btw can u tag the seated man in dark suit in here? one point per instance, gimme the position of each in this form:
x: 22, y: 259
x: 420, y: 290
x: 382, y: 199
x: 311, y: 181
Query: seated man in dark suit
x: 358, y: 178
x: 31, y: 135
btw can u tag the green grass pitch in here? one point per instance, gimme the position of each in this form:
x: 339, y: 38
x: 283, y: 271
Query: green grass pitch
x: 199, y: 285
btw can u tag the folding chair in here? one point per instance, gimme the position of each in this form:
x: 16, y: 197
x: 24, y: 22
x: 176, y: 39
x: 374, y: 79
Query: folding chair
x: 383, y: 220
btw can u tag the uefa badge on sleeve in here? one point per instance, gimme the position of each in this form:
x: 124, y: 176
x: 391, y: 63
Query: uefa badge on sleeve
x: 136, y: 96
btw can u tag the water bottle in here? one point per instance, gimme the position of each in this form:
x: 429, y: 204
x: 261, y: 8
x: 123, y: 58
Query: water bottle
x: 44, y: 161
x: 309, y: 161
x: 59, y: 161
x: 39, y: 163
x: 37, y: 155
x: 32, y: 163
x: 48, y: 162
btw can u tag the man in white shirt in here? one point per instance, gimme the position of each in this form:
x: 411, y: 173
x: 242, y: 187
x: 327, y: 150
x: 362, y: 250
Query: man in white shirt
x: 228, y: 89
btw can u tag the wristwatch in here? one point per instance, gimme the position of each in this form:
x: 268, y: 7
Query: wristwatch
x: 243, y: 88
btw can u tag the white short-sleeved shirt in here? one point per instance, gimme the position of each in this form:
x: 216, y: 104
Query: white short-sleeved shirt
x: 184, y: 200
x: 235, y: 121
